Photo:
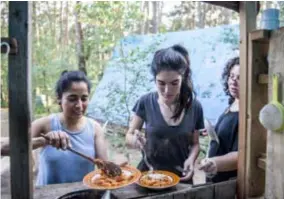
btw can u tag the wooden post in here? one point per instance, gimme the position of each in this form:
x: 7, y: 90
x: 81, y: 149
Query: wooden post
x: 275, y: 141
x: 20, y: 25
x: 256, y: 99
x: 248, y: 12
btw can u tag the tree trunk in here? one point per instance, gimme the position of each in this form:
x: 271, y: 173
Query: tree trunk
x: 35, y: 23
x: 61, y: 24
x: 154, y: 28
x: 54, y: 20
x: 146, y: 17
x: 227, y: 14
x: 141, y: 23
x: 160, y: 11
x: 200, y: 14
x: 79, y: 41
x: 66, y: 37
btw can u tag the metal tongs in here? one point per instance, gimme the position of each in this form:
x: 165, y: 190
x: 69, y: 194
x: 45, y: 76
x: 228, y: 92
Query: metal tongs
x: 150, y: 167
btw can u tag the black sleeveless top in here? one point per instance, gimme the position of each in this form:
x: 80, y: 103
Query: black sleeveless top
x: 227, y: 132
x: 167, y: 146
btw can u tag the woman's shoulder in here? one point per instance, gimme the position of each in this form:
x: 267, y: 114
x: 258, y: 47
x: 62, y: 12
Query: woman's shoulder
x: 196, y: 103
x: 44, y: 122
x: 148, y: 96
x: 97, y: 126
x: 45, y: 119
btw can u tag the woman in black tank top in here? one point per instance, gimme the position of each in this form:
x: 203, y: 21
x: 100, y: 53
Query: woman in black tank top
x: 172, y: 116
x: 221, y: 163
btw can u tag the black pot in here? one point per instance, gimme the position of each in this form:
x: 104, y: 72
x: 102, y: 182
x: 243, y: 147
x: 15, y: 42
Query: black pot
x: 85, y: 194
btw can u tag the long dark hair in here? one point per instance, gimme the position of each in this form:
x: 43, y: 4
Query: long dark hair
x: 226, y: 74
x: 176, y: 58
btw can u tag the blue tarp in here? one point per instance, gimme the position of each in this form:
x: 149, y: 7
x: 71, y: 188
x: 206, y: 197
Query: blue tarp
x: 127, y: 75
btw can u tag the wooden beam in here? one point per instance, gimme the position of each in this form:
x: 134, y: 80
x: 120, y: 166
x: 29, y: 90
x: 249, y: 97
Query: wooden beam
x: 248, y: 12
x: 260, y: 35
x: 20, y: 25
x: 274, y: 187
x: 256, y: 133
x: 232, y: 5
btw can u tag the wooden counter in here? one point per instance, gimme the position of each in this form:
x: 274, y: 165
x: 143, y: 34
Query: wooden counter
x: 182, y: 191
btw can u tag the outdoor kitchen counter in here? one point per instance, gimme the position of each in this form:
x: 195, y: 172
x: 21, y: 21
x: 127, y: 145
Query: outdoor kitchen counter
x: 220, y: 190
x: 56, y: 190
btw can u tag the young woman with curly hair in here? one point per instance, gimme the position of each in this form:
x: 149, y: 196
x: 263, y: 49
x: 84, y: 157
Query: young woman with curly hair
x: 221, y: 163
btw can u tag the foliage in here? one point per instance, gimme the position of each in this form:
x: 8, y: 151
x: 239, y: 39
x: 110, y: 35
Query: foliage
x: 53, y: 40
x: 124, y: 96
x: 229, y: 36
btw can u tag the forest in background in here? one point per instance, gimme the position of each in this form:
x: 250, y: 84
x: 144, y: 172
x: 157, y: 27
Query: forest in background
x: 82, y: 35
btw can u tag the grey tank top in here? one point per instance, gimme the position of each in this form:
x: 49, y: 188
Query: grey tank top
x: 58, y: 166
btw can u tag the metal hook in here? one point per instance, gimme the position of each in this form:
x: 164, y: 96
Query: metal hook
x: 7, y: 46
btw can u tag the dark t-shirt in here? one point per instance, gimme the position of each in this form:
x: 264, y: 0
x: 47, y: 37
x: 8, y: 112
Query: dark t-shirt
x: 227, y: 131
x: 167, y: 146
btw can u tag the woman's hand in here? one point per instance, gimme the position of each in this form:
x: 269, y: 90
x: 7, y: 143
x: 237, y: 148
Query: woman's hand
x: 58, y: 139
x: 209, y: 166
x: 139, y: 139
x: 188, y: 169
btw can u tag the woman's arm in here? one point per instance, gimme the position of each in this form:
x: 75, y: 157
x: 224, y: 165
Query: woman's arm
x: 100, y: 142
x: 135, y: 124
x: 228, y: 162
x: 188, y: 165
x: 37, y: 127
x: 195, y: 146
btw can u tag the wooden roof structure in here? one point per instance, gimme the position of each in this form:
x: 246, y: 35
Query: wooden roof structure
x: 232, y: 5
x: 20, y: 25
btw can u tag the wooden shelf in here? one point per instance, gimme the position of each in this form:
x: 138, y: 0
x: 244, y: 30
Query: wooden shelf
x: 260, y: 35
x: 261, y: 162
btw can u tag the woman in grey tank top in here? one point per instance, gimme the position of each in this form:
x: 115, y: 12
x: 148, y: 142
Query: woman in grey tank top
x: 69, y: 127
x: 172, y: 116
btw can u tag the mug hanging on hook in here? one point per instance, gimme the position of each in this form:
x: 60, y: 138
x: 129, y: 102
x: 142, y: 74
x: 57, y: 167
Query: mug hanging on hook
x: 271, y: 115
x: 7, y: 46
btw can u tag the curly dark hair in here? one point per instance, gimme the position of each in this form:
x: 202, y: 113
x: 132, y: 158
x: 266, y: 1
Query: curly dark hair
x: 225, y: 76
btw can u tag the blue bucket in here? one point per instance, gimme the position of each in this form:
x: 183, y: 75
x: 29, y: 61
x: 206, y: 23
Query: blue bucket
x: 270, y: 19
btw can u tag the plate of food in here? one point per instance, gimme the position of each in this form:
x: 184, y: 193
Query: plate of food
x: 97, y: 179
x: 158, y: 179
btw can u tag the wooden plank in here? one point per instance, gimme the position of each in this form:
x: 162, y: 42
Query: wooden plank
x: 20, y: 100
x: 232, y: 5
x: 256, y: 134
x: 183, y: 191
x: 260, y: 35
x: 226, y: 190
x: 275, y: 141
x: 247, y: 24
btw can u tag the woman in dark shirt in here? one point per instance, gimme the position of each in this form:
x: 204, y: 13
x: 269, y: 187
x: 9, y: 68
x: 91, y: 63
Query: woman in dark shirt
x: 172, y: 116
x: 221, y: 163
